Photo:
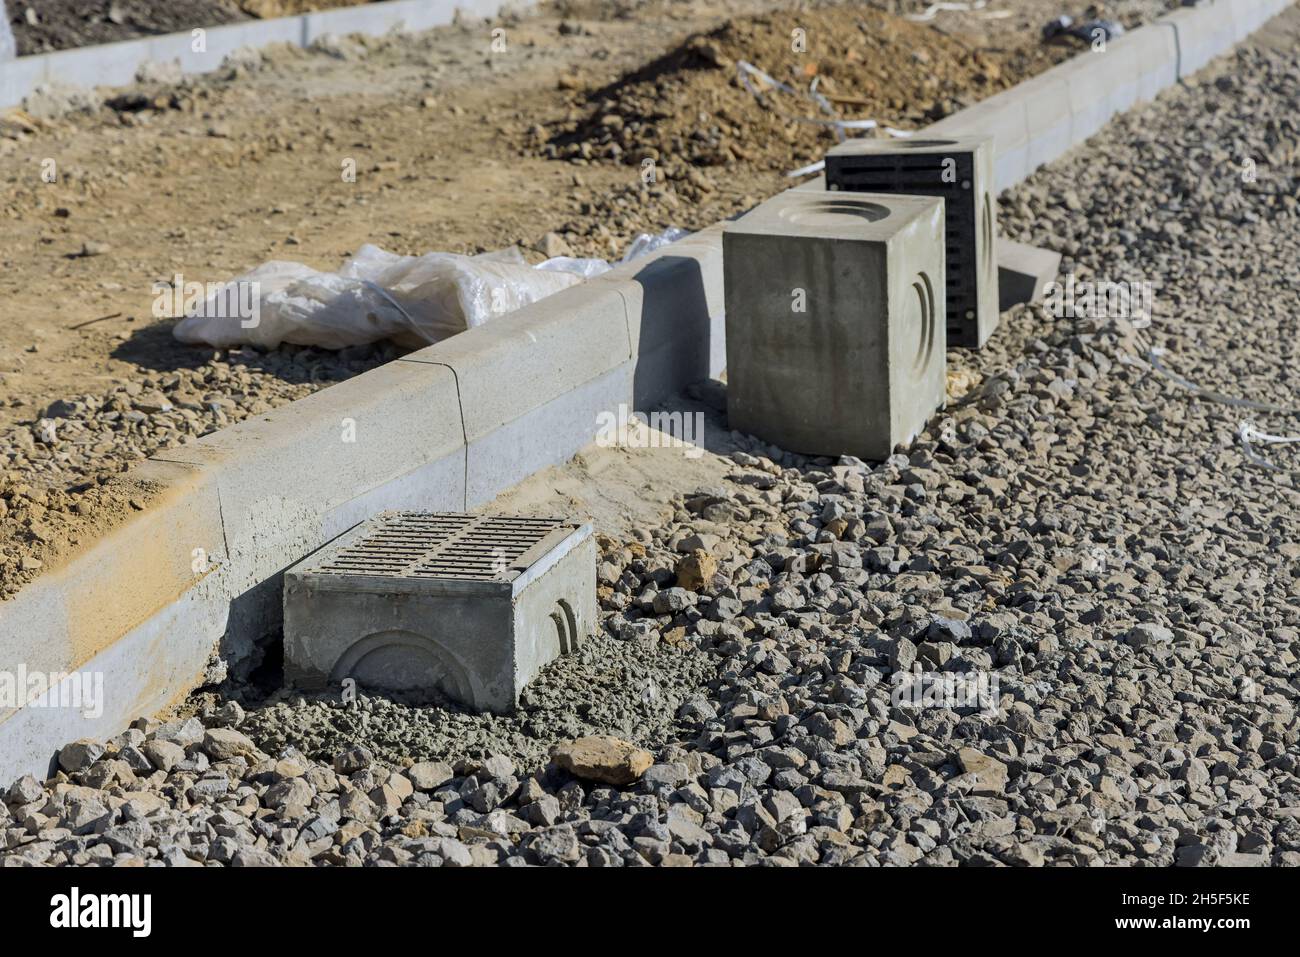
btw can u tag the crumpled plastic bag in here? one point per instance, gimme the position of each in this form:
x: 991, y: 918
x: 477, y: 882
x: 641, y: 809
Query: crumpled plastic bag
x: 590, y: 268
x: 414, y: 300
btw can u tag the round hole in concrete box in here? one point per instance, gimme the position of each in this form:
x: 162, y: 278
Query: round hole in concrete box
x: 831, y: 212
x: 989, y: 240
x: 922, y: 321
x: 566, y: 627
x: 403, y: 661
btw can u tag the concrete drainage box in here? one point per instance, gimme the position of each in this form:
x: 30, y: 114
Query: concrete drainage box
x: 834, y: 312
x: 960, y: 170
x: 466, y: 605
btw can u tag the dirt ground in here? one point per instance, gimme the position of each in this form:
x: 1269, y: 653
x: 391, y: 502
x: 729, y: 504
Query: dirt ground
x: 62, y: 24
x: 458, y: 144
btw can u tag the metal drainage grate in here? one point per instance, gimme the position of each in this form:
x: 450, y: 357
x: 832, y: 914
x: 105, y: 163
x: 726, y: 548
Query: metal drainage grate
x: 439, y: 545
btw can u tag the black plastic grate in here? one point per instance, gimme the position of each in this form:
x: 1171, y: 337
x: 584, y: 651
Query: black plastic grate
x: 920, y: 174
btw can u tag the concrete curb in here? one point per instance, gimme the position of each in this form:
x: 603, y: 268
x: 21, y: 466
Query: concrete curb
x: 116, y: 64
x: 1040, y: 119
x: 201, y: 569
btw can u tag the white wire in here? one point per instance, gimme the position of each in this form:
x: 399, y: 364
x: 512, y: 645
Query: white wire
x: 934, y: 9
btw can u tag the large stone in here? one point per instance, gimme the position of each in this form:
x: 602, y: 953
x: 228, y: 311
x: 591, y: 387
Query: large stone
x: 990, y: 774
x: 24, y: 791
x: 163, y: 755
x: 696, y: 570
x: 79, y: 755
x: 602, y: 758
x: 353, y: 760
x: 429, y: 775
x: 1147, y: 634
x: 223, y: 743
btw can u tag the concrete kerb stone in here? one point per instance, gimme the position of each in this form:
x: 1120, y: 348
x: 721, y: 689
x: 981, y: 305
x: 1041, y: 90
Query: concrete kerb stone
x: 1089, y: 102
x: 1247, y: 16
x: 1207, y: 30
x: 1041, y: 118
x: 1123, y: 59
x: 1099, y: 85
x: 224, y: 40
x: 296, y: 477
x: 548, y: 434
x: 63, y: 620
x: 1103, y: 83
x: 116, y: 64
x: 1204, y: 32
x: 144, y: 671
x: 1047, y: 117
x: 397, y: 16
x: 1005, y: 118
x: 675, y: 308
x: 567, y: 358
x: 178, y: 48
x: 1158, y: 62
x: 19, y: 77
x: 299, y: 461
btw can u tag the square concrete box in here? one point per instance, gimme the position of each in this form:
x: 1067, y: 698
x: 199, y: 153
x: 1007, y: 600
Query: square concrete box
x: 834, y: 313
x: 960, y: 170
x: 468, y: 606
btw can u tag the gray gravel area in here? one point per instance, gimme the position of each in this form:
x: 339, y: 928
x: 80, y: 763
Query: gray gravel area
x: 1083, y: 544
x: 630, y: 689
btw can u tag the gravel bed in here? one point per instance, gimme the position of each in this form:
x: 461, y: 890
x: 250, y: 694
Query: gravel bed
x: 1082, y: 538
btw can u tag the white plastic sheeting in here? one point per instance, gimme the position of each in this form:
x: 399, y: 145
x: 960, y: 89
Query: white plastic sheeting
x: 376, y: 295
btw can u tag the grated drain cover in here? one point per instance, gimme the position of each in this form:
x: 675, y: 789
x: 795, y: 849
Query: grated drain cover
x: 443, y: 545
x: 459, y: 606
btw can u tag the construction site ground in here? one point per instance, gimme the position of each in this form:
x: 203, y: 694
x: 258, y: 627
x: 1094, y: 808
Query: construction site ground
x: 458, y: 145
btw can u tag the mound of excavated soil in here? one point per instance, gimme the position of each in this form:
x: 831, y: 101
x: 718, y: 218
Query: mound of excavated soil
x: 691, y: 107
